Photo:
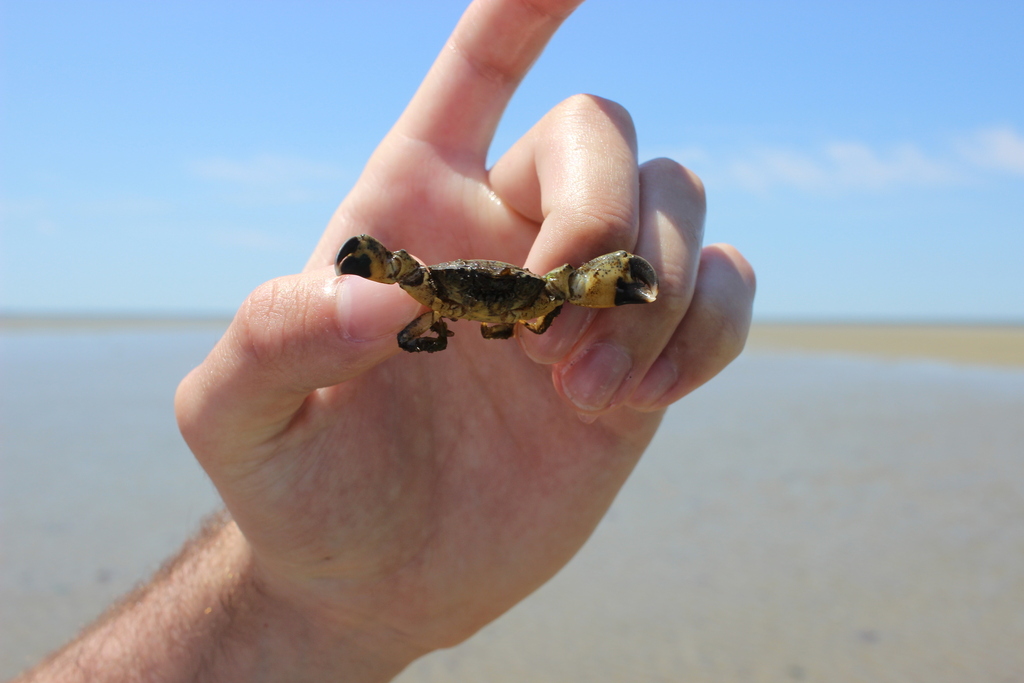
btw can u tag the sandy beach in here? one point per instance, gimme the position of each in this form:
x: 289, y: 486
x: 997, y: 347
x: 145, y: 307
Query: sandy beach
x: 845, y: 503
x: 1001, y: 345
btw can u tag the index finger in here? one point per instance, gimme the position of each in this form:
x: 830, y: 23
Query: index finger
x: 462, y: 97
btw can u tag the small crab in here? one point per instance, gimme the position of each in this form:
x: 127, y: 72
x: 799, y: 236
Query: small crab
x: 496, y: 294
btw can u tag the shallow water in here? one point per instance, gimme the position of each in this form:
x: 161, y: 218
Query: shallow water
x: 800, y: 518
x: 96, y: 485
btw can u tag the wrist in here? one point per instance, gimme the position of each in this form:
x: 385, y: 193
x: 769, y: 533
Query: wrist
x: 273, y: 629
x: 210, y: 615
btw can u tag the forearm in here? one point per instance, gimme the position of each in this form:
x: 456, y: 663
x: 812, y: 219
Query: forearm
x: 208, y: 616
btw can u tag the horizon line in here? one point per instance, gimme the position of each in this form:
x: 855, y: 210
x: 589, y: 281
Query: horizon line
x: 30, y: 319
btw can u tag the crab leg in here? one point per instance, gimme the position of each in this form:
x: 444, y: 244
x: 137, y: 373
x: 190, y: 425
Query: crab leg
x: 497, y: 331
x: 411, y: 338
x: 542, y: 325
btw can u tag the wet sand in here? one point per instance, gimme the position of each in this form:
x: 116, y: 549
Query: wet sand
x: 811, y: 515
x: 1001, y: 345
x: 973, y: 344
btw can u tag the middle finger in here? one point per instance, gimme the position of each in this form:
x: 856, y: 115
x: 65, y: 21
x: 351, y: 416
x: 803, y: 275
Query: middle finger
x: 608, y: 363
x: 574, y: 173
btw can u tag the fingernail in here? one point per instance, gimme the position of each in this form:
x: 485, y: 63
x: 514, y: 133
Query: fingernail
x: 592, y: 377
x: 370, y: 310
x: 662, y: 376
x: 557, y: 342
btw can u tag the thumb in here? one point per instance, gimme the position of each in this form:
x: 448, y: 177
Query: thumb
x: 292, y: 335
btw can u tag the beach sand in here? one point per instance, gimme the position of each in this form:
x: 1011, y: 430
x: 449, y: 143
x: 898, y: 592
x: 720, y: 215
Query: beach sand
x: 1001, y: 345
x: 828, y: 509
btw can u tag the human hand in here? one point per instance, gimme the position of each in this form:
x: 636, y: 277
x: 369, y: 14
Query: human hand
x: 411, y: 499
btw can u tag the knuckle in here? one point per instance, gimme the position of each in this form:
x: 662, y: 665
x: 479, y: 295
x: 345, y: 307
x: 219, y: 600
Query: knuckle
x: 186, y: 408
x: 665, y: 172
x: 665, y: 166
x: 713, y: 339
x: 728, y: 337
x: 731, y: 333
x: 731, y: 269
x: 598, y: 113
x: 727, y: 299
x: 675, y: 288
x: 266, y: 324
x: 609, y: 225
x: 742, y: 267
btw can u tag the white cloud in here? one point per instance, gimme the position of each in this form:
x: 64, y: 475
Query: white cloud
x: 851, y: 166
x: 265, y: 170
x: 252, y: 240
x: 1000, y: 149
x: 32, y: 213
x: 54, y: 216
x: 764, y: 168
x: 841, y: 166
x: 268, y: 179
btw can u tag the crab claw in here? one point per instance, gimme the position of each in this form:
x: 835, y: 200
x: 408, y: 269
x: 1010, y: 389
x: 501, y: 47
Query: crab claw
x: 641, y: 285
x: 366, y: 257
x: 614, y: 279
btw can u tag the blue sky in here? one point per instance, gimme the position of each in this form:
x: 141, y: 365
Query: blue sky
x: 166, y: 158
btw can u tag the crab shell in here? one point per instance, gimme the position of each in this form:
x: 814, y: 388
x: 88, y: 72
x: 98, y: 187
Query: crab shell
x: 485, y: 291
